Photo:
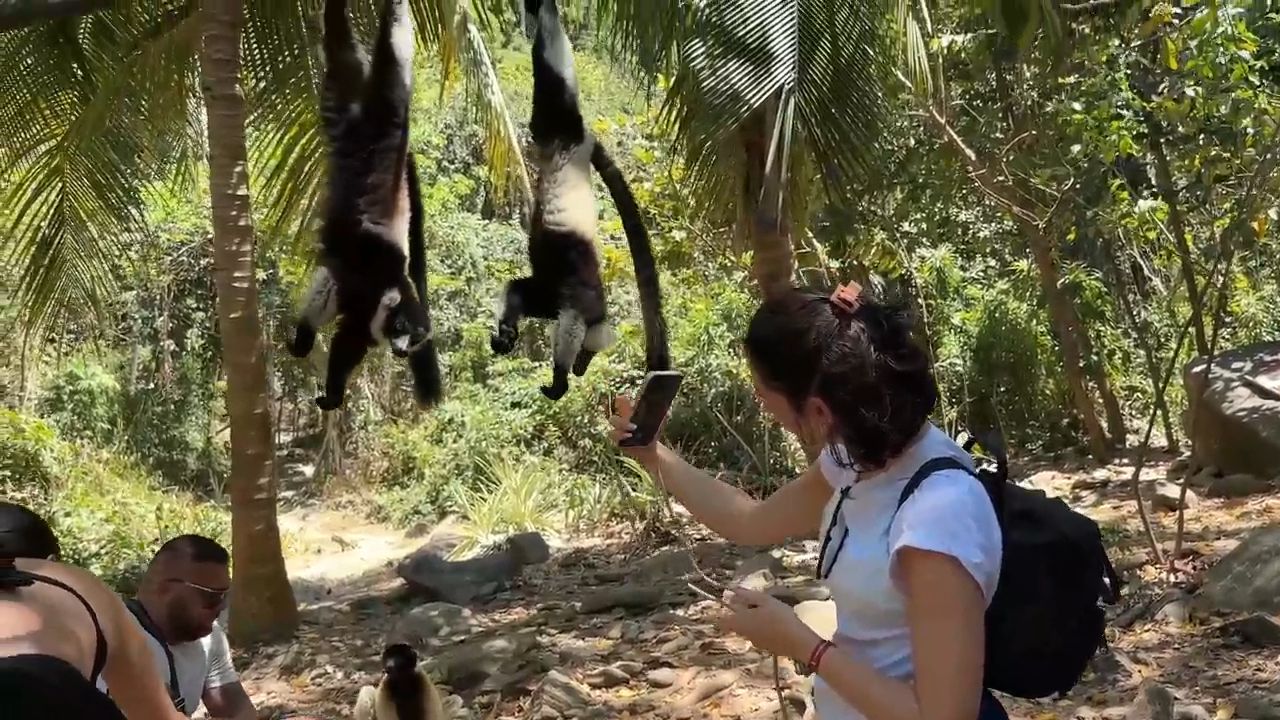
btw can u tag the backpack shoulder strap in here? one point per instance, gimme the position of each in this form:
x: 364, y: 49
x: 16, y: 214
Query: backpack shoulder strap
x: 144, y: 619
x: 932, y: 466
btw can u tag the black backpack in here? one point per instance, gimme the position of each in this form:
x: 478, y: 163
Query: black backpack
x: 1044, y: 623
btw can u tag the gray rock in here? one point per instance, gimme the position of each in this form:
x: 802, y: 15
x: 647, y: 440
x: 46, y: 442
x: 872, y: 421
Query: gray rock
x: 1237, y: 423
x: 1258, y: 707
x: 607, y: 677
x: 1236, y: 486
x: 559, y: 695
x: 763, y: 561
x: 431, y: 623
x: 1177, y: 610
x: 1191, y: 712
x: 661, y: 677
x: 631, y: 668
x: 529, y: 548
x: 486, y: 663
x: 459, y: 582
x: 1258, y: 630
x: 1247, y: 579
x: 633, y: 597
x: 1154, y: 702
x: 1165, y: 496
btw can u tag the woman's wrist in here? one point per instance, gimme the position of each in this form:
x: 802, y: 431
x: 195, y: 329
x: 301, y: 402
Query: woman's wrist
x: 806, y: 643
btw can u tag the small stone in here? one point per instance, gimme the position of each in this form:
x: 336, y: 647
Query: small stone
x: 661, y: 677
x: 1191, y: 712
x: 1084, y: 712
x: 1258, y: 630
x: 1176, y: 611
x: 1114, y: 713
x: 631, y: 668
x: 607, y: 677
x: 529, y: 548
x: 1258, y: 707
x: 674, y: 645
x: 636, y: 597
x: 1236, y: 486
x: 763, y: 561
x: 1165, y: 497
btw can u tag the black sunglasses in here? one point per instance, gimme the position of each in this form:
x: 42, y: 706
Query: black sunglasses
x: 209, y: 597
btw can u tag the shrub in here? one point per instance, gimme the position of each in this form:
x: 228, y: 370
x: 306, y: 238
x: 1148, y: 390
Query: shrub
x: 109, y: 513
x: 83, y: 402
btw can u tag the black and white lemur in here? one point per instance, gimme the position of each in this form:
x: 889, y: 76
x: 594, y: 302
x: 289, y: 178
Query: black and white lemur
x: 565, y: 283
x: 372, y: 269
x: 403, y: 693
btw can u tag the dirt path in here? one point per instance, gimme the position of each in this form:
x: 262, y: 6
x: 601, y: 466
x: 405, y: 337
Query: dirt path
x: 654, y: 653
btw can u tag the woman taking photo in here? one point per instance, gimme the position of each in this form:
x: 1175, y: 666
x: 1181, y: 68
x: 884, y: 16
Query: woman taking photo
x: 910, y: 585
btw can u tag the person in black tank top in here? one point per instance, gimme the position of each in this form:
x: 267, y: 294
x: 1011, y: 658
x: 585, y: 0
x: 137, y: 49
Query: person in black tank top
x: 36, y: 686
x: 39, y: 686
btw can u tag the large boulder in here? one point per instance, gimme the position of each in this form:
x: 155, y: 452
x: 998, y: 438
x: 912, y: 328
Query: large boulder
x: 1237, y: 423
x: 1247, y: 579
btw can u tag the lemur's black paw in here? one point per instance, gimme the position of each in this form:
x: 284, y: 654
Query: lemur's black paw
x: 304, y: 339
x: 324, y: 402
x: 503, y: 341
x: 581, y: 363
x: 555, y: 390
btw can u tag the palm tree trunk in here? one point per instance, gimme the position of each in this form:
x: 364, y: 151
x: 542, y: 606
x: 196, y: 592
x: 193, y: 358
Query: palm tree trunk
x: 263, y: 607
x: 764, y: 218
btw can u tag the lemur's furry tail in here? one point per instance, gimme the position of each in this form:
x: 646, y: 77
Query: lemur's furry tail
x: 656, y: 351
x: 424, y: 362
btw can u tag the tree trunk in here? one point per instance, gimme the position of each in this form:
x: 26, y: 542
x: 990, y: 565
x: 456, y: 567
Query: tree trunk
x: 768, y: 230
x: 1164, y: 184
x: 263, y: 606
x: 1066, y: 326
x: 16, y: 14
x: 1097, y: 366
x: 1061, y: 314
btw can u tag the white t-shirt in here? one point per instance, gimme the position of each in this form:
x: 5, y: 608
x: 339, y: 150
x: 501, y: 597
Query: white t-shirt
x: 949, y: 513
x: 200, y: 664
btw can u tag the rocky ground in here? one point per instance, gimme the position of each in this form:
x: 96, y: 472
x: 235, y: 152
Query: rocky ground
x: 607, y: 626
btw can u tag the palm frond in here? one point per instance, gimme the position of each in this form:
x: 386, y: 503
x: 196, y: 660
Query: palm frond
x: 508, y: 175
x: 93, y: 108
x: 745, y: 61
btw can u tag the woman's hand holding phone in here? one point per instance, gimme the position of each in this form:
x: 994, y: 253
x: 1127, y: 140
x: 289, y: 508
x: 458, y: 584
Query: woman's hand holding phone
x: 621, y: 429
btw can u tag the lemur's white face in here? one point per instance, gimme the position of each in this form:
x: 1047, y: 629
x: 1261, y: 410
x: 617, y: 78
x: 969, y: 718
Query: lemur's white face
x: 393, y: 326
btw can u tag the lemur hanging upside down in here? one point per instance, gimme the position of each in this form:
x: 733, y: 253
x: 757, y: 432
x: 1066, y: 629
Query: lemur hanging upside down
x: 372, y: 267
x: 565, y: 283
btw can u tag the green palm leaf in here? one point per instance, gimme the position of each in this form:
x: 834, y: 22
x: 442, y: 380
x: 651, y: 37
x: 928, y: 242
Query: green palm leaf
x: 807, y: 75
x: 89, y: 103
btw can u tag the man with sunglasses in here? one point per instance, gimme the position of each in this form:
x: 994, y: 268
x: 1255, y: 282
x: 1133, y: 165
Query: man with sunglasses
x: 178, y: 603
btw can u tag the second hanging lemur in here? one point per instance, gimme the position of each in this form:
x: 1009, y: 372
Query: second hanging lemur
x: 372, y: 269
x: 565, y: 283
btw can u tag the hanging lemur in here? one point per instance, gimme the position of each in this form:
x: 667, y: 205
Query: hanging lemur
x: 403, y: 693
x: 372, y: 269
x: 565, y: 283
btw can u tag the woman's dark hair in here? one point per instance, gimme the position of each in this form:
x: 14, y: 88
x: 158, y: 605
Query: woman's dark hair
x: 865, y: 365
x: 24, y: 534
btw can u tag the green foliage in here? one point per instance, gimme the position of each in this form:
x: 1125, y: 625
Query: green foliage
x: 110, y: 514
x: 83, y: 402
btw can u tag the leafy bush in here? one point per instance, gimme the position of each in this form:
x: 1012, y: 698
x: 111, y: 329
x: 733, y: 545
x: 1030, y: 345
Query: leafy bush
x: 83, y: 402
x: 109, y: 513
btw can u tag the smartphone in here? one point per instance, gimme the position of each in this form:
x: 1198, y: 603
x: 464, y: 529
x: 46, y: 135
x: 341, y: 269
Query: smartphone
x: 657, y: 392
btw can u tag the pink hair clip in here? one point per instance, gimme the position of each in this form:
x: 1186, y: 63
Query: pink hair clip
x: 846, y: 297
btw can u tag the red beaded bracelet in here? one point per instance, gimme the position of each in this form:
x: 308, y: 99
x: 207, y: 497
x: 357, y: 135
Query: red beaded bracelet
x: 815, y: 657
